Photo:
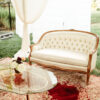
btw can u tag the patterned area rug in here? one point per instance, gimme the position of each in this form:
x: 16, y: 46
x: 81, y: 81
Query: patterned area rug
x: 90, y: 92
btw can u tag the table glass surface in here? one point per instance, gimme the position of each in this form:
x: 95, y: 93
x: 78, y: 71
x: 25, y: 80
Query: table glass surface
x: 35, y: 79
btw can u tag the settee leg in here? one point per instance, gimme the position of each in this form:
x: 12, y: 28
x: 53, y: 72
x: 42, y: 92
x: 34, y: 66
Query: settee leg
x: 30, y: 63
x: 88, y: 77
x: 88, y: 69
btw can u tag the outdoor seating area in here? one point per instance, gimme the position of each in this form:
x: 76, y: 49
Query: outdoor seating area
x: 49, y: 50
x: 66, y: 49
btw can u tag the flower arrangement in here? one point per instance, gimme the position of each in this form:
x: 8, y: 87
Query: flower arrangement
x: 13, y: 75
x: 18, y: 75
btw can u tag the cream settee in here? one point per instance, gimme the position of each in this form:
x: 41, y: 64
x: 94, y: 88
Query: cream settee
x: 66, y: 50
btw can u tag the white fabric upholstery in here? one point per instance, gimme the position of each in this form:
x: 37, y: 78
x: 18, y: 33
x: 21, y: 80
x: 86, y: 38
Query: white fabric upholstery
x: 37, y: 47
x: 65, y: 49
x: 61, y: 56
x: 59, y: 65
x: 94, y: 58
x: 69, y: 40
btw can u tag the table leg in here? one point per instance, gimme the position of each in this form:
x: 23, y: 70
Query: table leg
x: 27, y: 97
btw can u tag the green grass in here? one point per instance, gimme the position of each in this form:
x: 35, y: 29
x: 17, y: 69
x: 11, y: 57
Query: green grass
x: 95, y: 18
x: 95, y: 28
x: 95, y: 72
x: 10, y: 46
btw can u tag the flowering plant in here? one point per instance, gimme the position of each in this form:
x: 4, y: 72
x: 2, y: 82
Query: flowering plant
x: 18, y: 75
x: 13, y: 74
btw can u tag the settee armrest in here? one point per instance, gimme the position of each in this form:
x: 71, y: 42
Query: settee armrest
x: 35, y: 47
x: 96, y: 47
x: 92, y: 57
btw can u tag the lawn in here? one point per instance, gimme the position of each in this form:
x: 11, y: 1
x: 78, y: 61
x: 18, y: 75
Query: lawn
x: 95, y: 28
x: 10, y: 46
x: 95, y: 18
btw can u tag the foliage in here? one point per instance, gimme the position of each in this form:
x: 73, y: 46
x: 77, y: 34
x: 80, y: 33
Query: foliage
x: 95, y: 72
x: 1, y: 0
x: 5, y: 0
x: 98, y: 9
x: 95, y: 28
x: 95, y: 17
x: 10, y: 46
x: 31, y: 38
x: 4, y: 17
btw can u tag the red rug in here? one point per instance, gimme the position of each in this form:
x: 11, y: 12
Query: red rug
x: 64, y: 92
x: 71, y: 83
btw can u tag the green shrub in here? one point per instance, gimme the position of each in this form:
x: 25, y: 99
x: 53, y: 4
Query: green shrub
x: 31, y: 38
x: 95, y: 72
x: 95, y: 18
x: 98, y: 9
x: 4, y: 17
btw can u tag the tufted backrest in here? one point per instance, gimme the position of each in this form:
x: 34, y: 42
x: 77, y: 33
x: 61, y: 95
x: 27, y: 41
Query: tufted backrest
x: 77, y: 41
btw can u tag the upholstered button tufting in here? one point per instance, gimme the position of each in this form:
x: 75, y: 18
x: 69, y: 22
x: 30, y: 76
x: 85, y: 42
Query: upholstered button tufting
x: 90, y: 42
x: 80, y: 40
x: 72, y: 44
x: 74, y: 40
x: 79, y: 49
x: 68, y: 40
x: 82, y: 45
x: 87, y: 51
x: 85, y: 41
x: 69, y: 48
x: 76, y: 44
x: 74, y: 48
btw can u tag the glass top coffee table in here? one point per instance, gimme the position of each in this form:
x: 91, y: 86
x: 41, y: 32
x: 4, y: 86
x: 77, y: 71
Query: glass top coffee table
x: 25, y: 79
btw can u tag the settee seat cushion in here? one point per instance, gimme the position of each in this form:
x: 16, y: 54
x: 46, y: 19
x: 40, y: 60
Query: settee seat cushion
x: 61, y: 56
